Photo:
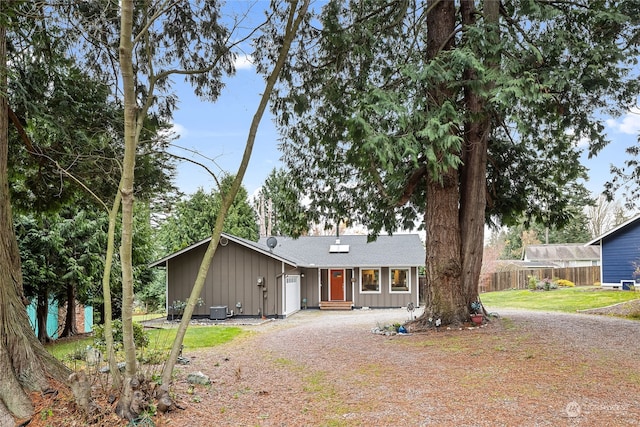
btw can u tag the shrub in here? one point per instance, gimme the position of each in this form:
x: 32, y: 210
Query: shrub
x: 565, y: 283
x: 140, y: 337
x: 545, y: 284
x: 153, y: 357
x: 78, y: 353
x: 177, y: 308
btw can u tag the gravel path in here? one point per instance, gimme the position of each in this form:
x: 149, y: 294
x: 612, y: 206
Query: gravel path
x: 583, y: 332
x: 327, y: 368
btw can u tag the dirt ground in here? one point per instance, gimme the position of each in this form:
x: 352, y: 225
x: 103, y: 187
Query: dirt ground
x: 329, y: 369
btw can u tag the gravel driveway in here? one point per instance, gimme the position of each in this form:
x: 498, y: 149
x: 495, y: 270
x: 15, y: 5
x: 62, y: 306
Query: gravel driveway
x: 328, y: 369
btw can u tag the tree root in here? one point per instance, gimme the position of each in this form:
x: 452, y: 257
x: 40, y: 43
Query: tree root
x: 165, y: 403
x: 6, y: 419
x: 81, y: 388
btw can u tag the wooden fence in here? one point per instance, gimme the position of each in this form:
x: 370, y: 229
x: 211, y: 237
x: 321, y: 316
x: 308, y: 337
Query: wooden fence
x: 519, y: 279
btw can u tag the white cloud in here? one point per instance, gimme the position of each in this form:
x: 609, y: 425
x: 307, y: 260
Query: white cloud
x: 243, y: 62
x: 175, y: 131
x: 582, y: 141
x: 629, y: 123
x: 179, y: 130
x: 610, y: 123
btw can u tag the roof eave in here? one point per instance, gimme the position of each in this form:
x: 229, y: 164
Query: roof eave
x: 234, y: 239
x: 610, y: 232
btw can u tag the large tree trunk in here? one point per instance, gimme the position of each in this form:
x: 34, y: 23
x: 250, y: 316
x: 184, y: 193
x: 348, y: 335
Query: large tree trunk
x: 42, y: 313
x: 444, y: 295
x: 70, y: 326
x: 473, y: 175
x: 444, y: 299
x: 455, y: 210
x: 25, y: 365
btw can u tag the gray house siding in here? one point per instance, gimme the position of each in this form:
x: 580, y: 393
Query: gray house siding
x: 385, y: 298
x: 309, y: 287
x: 232, y: 279
x: 349, y: 283
x: 324, y: 285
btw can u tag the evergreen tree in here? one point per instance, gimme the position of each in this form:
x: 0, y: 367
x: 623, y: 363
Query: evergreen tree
x: 24, y: 363
x: 279, y: 206
x: 193, y: 218
x: 61, y: 261
x: 437, y: 114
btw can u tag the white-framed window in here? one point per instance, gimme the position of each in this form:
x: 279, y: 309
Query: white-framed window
x: 370, y: 280
x: 400, y: 280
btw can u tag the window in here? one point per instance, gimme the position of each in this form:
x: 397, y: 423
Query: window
x: 399, y: 279
x: 369, y: 280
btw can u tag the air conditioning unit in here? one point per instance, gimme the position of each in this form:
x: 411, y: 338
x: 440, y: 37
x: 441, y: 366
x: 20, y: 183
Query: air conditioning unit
x: 218, y: 312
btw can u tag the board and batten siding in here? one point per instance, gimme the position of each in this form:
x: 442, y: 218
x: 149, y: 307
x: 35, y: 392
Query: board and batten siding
x: 385, y: 298
x: 309, y: 287
x: 621, y: 255
x: 231, y: 279
x: 324, y: 285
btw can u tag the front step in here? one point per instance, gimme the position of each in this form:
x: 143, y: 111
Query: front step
x: 336, y: 305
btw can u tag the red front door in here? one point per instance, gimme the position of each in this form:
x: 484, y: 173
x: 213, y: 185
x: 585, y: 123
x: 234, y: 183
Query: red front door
x: 336, y: 285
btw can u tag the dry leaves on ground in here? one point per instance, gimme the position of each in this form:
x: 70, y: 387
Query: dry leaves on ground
x: 328, y: 369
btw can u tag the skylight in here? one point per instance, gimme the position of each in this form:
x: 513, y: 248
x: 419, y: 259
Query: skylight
x: 339, y: 249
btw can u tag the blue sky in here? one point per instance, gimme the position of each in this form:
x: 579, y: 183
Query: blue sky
x: 622, y: 132
x: 219, y: 132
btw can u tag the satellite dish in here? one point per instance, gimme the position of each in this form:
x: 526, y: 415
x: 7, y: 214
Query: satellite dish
x: 272, y: 242
x: 224, y: 241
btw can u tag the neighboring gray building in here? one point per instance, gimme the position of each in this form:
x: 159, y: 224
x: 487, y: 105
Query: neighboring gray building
x: 563, y: 255
x: 278, y: 276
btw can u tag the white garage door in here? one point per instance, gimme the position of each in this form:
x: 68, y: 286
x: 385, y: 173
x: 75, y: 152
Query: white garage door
x: 291, y: 295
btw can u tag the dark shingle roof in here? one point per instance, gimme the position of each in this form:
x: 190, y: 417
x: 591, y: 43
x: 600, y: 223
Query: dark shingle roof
x: 314, y: 251
x: 562, y: 252
x: 401, y: 250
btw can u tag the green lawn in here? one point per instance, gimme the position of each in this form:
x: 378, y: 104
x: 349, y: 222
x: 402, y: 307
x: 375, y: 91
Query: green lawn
x: 60, y: 349
x: 159, y: 339
x: 563, y: 299
x: 196, y: 336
